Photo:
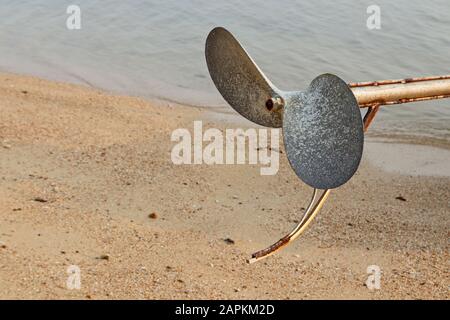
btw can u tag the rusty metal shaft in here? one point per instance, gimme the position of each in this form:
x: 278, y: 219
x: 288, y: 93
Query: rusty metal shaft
x: 388, y: 92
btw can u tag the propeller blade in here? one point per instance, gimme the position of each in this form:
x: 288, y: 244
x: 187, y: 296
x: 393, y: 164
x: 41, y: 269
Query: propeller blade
x: 323, y: 132
x: 239, y: 80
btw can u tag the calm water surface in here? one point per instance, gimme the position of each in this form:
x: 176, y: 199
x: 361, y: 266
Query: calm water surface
x: 155, y: 48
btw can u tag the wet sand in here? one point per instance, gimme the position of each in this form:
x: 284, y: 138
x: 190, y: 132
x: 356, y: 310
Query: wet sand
x: 81, y: 171
x: 409, y: 159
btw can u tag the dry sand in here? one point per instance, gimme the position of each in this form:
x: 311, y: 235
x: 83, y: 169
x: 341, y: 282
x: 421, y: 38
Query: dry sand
x: 102, y: 164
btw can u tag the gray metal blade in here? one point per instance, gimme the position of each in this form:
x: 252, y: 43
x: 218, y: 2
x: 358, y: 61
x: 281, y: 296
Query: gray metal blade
x: 239, y: 80
x: 323, y: 132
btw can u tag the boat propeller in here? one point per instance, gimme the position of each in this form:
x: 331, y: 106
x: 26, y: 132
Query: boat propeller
x: 323, y: 130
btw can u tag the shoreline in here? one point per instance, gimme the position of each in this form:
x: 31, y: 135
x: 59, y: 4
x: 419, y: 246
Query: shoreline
x: 223, y: 112
x: 83, y: 170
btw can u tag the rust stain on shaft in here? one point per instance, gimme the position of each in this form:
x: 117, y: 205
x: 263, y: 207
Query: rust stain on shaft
x: 388, y: 103
x: 390, y: 92
x: 396, y: 81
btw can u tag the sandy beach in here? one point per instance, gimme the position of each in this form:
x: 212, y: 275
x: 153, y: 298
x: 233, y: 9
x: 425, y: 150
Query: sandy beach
x: 86, y: 179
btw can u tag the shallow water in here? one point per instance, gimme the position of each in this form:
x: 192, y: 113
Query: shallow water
x: 155, y: 48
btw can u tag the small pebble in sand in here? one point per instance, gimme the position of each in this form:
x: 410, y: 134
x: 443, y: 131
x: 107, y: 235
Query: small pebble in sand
x: 153, y: 215
x: 400, y: 198
x: 104, y: 257
x: 5, y: 144
x: 40, y: 199
x: 229, y: 241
